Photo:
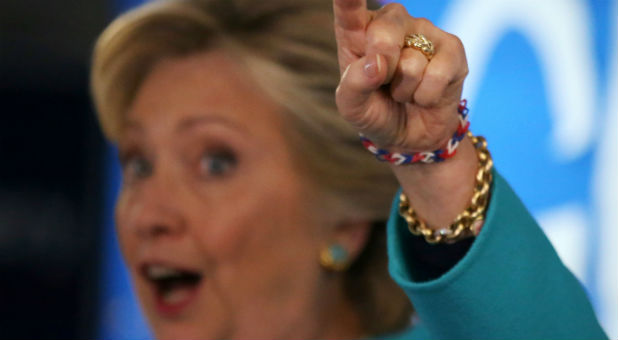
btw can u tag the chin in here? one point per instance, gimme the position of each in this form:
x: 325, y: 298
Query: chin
x: 186, y: 332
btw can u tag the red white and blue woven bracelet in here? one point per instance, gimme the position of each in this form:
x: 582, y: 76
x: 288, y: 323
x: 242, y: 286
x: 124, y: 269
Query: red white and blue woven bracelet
x: 439, y: 155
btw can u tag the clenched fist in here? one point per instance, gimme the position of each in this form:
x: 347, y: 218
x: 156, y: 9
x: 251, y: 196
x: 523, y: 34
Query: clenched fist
x: 405, y: 102
x: 392, y: 94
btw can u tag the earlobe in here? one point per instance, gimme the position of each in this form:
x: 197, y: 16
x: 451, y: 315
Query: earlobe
x: 348, y: 241
x: 335, y: 258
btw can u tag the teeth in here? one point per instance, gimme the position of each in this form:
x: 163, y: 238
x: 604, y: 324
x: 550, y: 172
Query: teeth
x: 175, y: 296
x: 157, y: 272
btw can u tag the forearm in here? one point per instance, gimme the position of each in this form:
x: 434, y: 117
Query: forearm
x: 438, y: 192
x: 509, y: 285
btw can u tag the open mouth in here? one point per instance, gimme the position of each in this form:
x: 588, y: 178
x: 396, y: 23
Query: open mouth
x: 174, y: 288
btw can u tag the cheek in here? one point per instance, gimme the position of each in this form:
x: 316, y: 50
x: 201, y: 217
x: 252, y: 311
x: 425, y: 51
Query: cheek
x: 255, y: 220
x: 262, y: 203
x: 250, y: 219
x: 264, y: 251
x: 275, y: 278
x: 123, y: 232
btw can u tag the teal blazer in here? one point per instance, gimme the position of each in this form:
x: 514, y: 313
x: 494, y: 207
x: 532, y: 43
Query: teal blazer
x: 509, y: 285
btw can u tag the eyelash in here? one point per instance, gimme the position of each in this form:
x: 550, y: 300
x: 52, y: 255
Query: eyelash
x: 211, y: 164
x: 135, y: 166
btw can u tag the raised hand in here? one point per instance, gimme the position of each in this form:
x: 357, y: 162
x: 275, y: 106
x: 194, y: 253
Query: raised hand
x: 395, y: 95
x: 405, y: 102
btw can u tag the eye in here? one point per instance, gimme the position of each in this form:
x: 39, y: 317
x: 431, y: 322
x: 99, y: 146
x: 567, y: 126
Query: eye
x: 217, y: 163
x: 135, y: 167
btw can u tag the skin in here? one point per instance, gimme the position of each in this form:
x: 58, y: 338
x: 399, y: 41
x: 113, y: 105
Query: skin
x: 404, y: 102
x: 253, y: 227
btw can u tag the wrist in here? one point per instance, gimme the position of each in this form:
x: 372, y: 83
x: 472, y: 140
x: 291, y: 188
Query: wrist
x: 447, y: 149
x: 440, y: 191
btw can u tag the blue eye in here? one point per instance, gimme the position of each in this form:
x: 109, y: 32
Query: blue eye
x: 136, y: 167
x: 217, y: 164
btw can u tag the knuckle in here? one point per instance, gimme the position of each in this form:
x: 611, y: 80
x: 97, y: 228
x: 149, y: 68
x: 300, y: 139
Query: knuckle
x: 384, y: 41
x: 393, y: 15
x: 395, y: 7
x: 457, y: 44
x: 437, y: 77
x: 456, y: 41
x: 428, y: 99
x: 410, y: 69
x: 423, y: 98
x: 460, y: 52
x: 424, y: 23
x: 465, y: 70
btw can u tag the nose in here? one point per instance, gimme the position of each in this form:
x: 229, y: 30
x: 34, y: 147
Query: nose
x: 157, y: 225
x: 152, y: 210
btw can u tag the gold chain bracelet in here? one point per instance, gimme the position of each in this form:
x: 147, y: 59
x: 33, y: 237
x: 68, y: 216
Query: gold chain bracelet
x: 469, y: 222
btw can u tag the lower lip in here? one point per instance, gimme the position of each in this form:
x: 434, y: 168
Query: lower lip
x: 175, y: 309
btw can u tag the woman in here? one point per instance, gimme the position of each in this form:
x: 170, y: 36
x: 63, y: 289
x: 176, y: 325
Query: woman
x: 249, y: 208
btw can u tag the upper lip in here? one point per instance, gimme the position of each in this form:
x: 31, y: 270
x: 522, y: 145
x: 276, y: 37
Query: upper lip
x: 150, y: 259
x: 145, y: 266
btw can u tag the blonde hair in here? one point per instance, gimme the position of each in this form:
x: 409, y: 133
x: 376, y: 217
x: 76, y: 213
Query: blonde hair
x: 289, y: 48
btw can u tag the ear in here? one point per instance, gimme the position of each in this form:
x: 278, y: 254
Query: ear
x: 352, y: 235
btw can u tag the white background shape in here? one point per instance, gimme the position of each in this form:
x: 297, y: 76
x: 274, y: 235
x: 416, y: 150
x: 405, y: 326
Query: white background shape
x: 559, y: 31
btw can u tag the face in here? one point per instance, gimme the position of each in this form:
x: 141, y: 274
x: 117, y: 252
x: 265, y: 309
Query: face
x: 219, y: 228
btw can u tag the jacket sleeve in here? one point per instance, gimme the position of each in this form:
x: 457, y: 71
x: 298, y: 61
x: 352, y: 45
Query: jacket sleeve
x: 509, y: 285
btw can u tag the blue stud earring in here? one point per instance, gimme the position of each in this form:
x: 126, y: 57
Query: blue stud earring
x: 334, y: 257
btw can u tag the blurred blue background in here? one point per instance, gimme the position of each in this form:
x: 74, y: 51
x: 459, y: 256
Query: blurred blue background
x: 543, y: 89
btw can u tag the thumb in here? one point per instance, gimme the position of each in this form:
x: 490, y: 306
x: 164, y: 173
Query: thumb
x: 360, y: 80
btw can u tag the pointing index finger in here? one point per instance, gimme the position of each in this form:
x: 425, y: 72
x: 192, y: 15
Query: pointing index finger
x: 350, y: 15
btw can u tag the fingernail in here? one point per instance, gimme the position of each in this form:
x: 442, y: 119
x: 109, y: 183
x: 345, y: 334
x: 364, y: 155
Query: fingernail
x: 372, y: 66
x: 345, y: 71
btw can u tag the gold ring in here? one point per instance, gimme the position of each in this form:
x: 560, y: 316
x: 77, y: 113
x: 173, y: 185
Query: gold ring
x: 419, y: 42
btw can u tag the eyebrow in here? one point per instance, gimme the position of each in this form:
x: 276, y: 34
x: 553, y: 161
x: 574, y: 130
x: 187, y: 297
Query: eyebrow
x: 190, y: 122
